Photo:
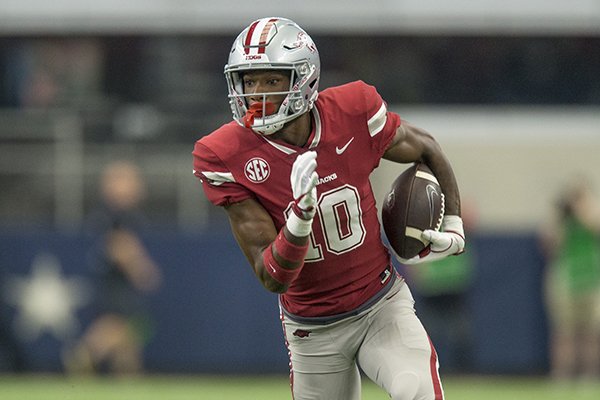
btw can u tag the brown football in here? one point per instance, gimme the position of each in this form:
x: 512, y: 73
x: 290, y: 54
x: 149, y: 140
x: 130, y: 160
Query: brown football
x: 414, y: 203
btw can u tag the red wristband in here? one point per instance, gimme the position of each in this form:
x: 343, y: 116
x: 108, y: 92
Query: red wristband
x: 289, y: 251
x: 280, y: 274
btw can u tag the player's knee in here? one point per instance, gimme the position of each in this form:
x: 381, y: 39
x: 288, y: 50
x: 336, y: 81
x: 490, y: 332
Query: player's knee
x: 405, y: 386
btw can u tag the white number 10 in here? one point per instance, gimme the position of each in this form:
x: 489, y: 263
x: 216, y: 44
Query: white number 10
x: 341, y: 222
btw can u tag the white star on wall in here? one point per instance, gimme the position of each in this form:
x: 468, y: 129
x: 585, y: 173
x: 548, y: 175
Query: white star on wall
x: 46, y: 301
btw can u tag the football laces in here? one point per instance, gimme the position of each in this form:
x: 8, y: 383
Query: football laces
x: 438, y: 225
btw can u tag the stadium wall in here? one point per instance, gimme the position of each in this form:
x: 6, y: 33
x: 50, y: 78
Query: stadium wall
x: 212, y: 316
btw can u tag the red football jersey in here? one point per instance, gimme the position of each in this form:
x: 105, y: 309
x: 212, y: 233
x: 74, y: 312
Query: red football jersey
x: 351, y: 130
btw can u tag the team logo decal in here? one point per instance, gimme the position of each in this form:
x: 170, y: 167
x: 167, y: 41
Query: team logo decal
x: 257, y: 170
x: 431, y: 193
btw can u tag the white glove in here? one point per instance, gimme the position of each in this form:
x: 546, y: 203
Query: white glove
x: 304, y: 181
x: 449, y: 241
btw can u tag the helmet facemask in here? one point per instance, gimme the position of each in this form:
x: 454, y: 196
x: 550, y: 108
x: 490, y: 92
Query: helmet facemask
x: 265, y: 119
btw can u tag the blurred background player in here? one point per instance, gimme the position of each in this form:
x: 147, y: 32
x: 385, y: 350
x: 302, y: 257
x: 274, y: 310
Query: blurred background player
x: 572, y: 246
x: 442, y: 290
x: 292, y: 171
x: 124, y: 273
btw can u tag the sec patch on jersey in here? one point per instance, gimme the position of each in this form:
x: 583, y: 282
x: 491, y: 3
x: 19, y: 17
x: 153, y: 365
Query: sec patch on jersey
x: 414, y: 203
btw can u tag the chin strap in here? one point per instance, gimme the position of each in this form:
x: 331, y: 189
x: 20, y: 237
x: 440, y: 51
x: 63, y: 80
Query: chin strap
x: 256, y: 110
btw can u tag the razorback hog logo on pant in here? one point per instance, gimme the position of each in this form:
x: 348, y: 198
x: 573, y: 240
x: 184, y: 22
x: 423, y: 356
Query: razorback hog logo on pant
x: 301, y: 333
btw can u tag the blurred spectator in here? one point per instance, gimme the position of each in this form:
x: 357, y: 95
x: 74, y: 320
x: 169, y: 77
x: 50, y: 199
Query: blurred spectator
x: 46, y: 73
x: 442, y: 288
x: 573, y: 283
x: 124, y: 274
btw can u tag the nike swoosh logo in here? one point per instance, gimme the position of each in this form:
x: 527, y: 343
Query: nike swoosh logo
x: 431, y: 191
x: 272, y: 267
x: 343, y: 149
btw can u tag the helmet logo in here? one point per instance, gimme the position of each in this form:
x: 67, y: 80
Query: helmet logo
x: 257, y: 170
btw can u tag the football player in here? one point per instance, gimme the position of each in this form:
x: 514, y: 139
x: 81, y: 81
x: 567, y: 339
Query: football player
x: 292, y: 171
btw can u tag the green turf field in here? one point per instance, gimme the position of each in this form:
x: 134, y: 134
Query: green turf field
x: 268, y: 388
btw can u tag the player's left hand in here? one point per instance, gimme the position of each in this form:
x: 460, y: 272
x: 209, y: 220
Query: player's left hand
x: 303, y: 180
x: 450, y: 240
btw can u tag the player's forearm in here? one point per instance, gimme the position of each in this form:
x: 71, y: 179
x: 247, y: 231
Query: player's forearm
x: 284, y: 258
x: 267, y: 280
x: 435, y: 159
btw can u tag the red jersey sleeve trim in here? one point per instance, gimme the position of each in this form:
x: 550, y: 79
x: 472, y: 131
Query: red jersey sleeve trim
x: 218, y: 182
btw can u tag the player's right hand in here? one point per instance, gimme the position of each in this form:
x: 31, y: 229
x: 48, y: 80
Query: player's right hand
x: 304, y: 181
x: 449, y: 241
